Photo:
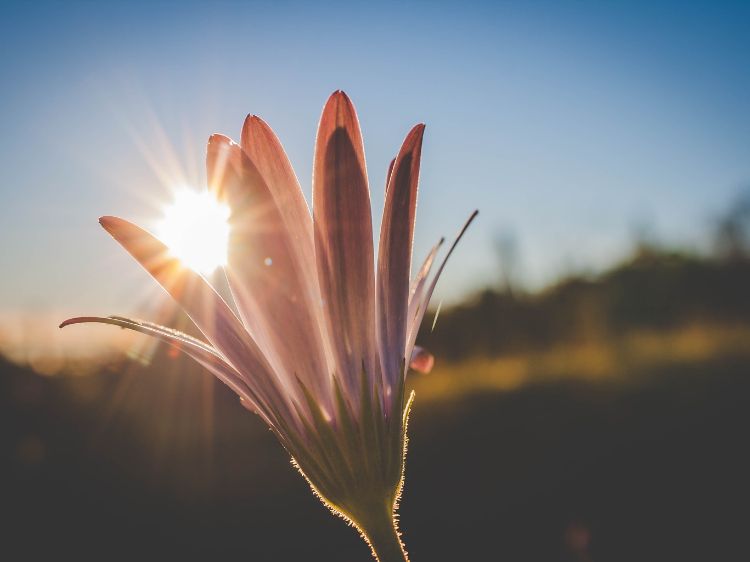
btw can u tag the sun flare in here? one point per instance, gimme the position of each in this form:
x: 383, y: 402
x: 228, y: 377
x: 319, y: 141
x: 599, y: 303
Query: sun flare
x: 195, y: 228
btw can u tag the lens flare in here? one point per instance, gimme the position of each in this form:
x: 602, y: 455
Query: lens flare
x: 195, y: 228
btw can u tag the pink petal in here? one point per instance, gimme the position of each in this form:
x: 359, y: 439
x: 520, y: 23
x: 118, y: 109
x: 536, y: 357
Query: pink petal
x: 421, y: 304
x: 204, y: 306
x: 197, y: 350
x: 223, y: 164
x: 388, y: 175
x: 265, y: 151
x: 417, y: 288
x: 422, y: 360
x: 394, y: 260
x: 267, y: 280
x: 343, y: 240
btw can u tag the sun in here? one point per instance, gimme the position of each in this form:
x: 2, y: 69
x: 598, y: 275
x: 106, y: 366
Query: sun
x: 195, y: 228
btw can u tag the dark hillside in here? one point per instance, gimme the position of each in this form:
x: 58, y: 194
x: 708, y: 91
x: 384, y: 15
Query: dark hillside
x: 653, y: 291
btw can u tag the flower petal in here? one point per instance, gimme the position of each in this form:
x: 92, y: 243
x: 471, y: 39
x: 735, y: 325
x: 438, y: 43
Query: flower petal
x: 394, y: 260
x: 418, y: 284
x: 223, y: 164
x: 343, y: 241
x: 265, y: 151
x: 197, y: 350
x: 422, y: 360
x: 421, y: 304
x: 268, y: 280
x: 388, y: 175
x: 263, y: 147
x: 204, y: 306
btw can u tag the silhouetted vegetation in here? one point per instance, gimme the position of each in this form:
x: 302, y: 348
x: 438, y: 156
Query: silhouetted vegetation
x: 151, y: 463
x: 604, y: 418
x: 656, y: 289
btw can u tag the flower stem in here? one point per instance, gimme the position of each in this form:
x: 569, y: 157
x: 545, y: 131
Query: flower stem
x: 383, y: 536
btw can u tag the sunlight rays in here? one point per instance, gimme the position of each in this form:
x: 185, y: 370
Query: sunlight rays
x: 195, y: 228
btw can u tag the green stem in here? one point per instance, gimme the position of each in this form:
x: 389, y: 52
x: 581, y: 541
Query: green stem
x: 383, y: 537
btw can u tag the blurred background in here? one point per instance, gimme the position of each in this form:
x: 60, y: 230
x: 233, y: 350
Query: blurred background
x: 590, y: 399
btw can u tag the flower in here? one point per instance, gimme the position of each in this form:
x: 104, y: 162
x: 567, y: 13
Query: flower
x: 318, y: 350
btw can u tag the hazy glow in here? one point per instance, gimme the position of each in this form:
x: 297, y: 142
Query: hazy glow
x: 195, y: 228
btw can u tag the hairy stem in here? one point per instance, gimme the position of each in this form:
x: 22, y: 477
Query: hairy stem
x: 380, y: 530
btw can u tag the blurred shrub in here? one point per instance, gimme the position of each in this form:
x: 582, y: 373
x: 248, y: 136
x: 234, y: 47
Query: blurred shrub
x: 654, y: 289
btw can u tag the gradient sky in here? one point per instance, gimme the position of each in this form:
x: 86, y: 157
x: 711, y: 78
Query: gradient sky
x: 566, y: 124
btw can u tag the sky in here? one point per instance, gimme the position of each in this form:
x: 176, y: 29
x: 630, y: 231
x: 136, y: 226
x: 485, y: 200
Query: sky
x: 569, y: 125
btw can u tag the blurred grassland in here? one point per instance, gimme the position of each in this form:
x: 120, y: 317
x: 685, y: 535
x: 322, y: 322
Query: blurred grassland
x: 622, y: 360
x: 603, y: 418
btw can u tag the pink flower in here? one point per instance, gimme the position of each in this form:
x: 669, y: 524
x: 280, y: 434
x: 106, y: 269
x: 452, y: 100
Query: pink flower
x: 318, y: 350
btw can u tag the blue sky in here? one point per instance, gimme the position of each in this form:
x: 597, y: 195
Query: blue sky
x: 566, y: 124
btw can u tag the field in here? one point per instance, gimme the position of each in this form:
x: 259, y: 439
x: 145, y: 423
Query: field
x: 650, y: 469
x: 627, y: 447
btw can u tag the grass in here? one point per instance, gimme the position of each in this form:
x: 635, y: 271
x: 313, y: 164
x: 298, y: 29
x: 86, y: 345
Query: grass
x: 617, y: 359
x: 601, y: 448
